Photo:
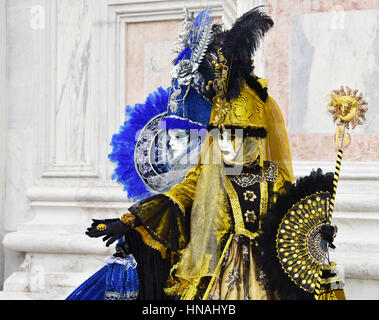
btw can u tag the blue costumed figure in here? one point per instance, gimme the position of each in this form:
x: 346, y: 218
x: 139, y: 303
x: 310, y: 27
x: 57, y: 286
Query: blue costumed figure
x: 169, y: 127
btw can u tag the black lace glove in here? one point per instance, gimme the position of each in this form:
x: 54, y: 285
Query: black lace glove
x: 328, y: 234
x: 112, y: 229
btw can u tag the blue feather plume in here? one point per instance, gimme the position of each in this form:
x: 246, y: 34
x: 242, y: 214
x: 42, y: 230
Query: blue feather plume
x: 123, y: 143
x: 185, y: 54
x: 199, y: 25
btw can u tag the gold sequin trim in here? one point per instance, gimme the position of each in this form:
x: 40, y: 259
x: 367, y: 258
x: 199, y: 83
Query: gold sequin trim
x: 101, y: 227
x: 148, y: 240
x: 128, y: 219
x: 264, y: 200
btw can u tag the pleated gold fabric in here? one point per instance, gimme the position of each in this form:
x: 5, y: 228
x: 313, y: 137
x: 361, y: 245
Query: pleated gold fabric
x: 238, y: 278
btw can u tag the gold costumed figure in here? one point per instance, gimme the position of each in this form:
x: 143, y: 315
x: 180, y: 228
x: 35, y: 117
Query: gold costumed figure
x: 237, y: 227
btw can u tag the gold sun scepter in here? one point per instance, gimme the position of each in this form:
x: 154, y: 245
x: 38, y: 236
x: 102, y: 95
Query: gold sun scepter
x: 348, y: 110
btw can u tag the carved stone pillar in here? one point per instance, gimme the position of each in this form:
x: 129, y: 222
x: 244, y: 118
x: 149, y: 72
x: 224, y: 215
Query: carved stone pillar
x: 57, y: 161
x: 3, y: 127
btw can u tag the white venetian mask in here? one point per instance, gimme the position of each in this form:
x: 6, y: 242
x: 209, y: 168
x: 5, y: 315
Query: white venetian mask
x: 236, y: 149
x: 230, y: 144
x: 178, y: 141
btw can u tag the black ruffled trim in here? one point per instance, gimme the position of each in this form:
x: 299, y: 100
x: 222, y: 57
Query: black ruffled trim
x: 257, y: 132
x: 253, y: 83
x: 152, y: 269
x: 267, y: 258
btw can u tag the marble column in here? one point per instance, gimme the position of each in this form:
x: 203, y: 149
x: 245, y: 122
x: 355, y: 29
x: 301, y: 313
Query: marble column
x: 3, y: 127
x: 56, y: 161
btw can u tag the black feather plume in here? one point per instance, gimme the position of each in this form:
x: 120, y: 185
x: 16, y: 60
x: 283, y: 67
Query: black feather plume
x: 239, y: 45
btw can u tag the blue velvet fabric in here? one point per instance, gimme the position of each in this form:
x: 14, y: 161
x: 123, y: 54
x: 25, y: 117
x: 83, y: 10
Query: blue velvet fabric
x: 193, y: 111
x: 121, y: 283
x: 91, y: 289
x: 114, y: 281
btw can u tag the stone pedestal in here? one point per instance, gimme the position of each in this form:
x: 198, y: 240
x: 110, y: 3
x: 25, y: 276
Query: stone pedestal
x: 58, y: 255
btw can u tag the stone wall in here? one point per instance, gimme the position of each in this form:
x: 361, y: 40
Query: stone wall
x: 316, y: 47
x: 70, y: 74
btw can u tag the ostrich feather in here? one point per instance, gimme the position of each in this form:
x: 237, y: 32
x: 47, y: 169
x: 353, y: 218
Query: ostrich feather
x: 239, y: 45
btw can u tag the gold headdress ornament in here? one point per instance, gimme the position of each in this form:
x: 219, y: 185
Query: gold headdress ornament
x: 249, y: 111
x: 244, y: 111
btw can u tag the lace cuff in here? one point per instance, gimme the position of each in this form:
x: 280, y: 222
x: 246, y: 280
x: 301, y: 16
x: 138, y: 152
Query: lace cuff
x: 129, y: 261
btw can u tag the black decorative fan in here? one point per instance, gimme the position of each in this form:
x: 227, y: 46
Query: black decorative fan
x: 293, y: 253
x: 300, y: 248
x: 292, y: 250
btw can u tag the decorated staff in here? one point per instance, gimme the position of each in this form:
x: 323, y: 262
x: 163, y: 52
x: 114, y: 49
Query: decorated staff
x: 298, y: 231
x: 348, y: 110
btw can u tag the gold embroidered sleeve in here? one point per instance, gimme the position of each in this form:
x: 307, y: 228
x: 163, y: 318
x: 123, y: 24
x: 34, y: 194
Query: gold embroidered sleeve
x: 161, y: 219
x: 161, y: 223
x: 183, y: 193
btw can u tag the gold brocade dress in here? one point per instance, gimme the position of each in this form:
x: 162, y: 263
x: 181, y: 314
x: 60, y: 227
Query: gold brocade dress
x: 238, y: 277
x: 235, y: 276
x: 231, y: 271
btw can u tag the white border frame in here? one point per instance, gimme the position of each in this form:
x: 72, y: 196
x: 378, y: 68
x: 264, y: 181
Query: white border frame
x: 3, y: 127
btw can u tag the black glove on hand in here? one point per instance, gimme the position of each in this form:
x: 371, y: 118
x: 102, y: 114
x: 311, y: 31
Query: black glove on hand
x: 94, y: 232
x: 112, y: 229
x: 328, y: 233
